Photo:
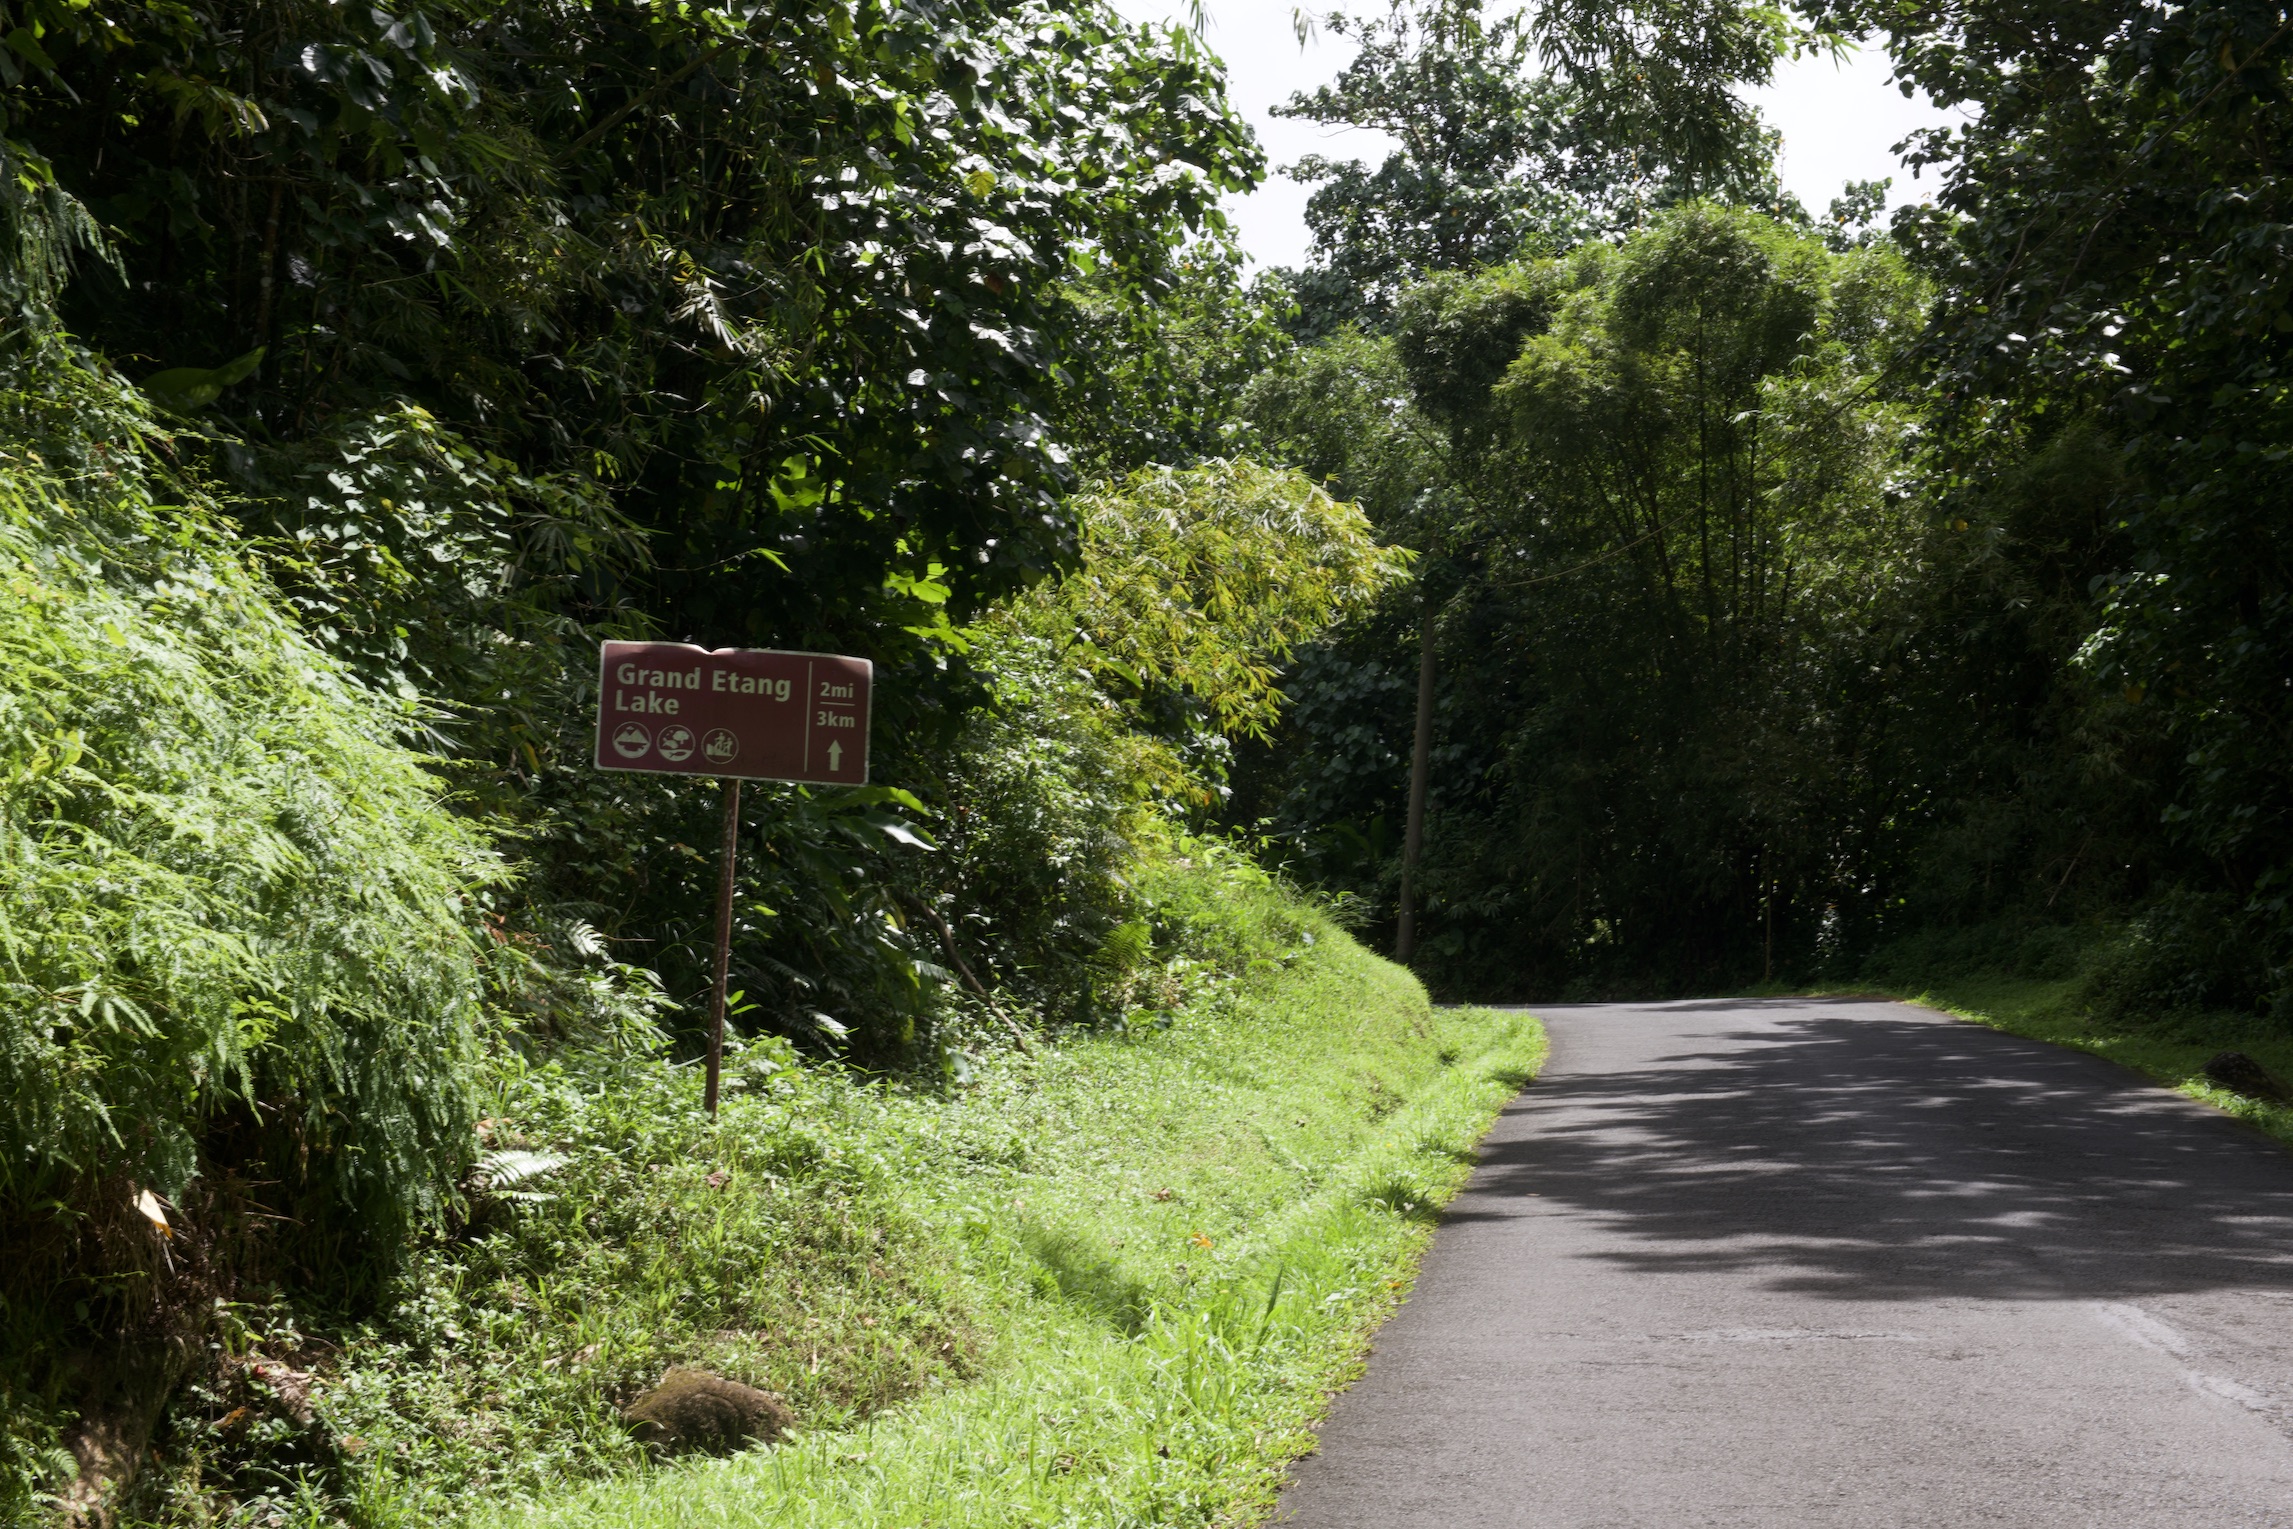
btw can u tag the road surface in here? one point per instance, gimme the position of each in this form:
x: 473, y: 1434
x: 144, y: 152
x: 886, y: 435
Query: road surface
x: 1798, y: 1264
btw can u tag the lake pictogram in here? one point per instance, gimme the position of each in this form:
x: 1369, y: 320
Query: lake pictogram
x: 631, y: 741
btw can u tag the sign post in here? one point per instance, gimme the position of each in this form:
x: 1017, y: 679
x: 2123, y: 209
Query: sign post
x: 670, y: 708
x: 726, y: 853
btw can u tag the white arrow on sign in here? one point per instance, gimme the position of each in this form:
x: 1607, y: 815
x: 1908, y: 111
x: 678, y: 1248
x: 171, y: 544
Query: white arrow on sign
x: 835, y: 757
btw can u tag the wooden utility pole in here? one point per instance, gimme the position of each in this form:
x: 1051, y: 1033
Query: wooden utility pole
x: 1767, y: 917
x: 1420, y: 764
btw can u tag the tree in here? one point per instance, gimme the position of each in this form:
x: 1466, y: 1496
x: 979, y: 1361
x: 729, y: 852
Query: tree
x: 513, y: 326
x: 1123, y: 688
x: 1205, y: 580
x: 793, y: 281
x: 1325, y: 794
x: 1496, y: 159
x: 1170, y: 363
x: 2109, y: 240
x: 1681, y: 566
x: 1489, y: 157
x: 1667, y: 76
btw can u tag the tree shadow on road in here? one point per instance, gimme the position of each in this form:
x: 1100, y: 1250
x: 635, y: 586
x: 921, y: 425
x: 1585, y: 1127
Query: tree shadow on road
x: 1868, y: 1152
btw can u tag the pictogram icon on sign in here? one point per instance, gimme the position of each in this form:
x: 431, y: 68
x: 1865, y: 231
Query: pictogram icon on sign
x: 720, y: 746
x: 675, y: 744
x: 631, y: 741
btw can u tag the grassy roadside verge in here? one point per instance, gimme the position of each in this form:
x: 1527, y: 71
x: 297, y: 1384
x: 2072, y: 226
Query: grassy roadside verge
x: 2171, y: 1050
x: 1176, y: 1261
x: 1107, y: 1280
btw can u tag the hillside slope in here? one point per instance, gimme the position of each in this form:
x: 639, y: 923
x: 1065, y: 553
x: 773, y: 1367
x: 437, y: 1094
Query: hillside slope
x: 1109, y: 1280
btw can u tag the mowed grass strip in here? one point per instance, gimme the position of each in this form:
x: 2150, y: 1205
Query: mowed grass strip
x: 1178, y: 1243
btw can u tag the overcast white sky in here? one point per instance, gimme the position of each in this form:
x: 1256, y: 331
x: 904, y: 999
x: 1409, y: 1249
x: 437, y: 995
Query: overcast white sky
x: 1838, y: 121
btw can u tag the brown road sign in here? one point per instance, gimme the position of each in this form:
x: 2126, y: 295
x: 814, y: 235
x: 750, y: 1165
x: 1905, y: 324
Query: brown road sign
x: 748, y: 713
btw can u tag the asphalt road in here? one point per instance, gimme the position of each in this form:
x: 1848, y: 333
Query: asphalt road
x: 1801, y: 1264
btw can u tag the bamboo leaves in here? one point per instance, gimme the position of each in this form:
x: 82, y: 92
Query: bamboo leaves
x: 1206, y: 579
x: 228, y: 892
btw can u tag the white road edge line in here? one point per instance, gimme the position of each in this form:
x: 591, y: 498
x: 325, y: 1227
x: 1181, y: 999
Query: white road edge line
x: 2131, y: 1322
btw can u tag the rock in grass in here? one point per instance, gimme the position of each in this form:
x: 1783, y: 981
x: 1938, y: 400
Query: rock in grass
x: 2240, y: 1074
x: 695, y: 1410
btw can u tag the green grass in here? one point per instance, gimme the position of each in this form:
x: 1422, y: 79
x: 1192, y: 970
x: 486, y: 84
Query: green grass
x: 1110, y: 1282
x: 2168, y: 1049
x: 1155, y: 1360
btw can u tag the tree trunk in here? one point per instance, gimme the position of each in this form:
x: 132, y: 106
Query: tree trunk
x: 1420, y: 764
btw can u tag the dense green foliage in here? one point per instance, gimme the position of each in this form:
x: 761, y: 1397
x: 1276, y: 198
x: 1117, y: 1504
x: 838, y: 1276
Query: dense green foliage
x: 529, y: 325
x: 1683, y: 476
x: 1201, y: 581
x: 227, y: 885
x: 2012, y: 659
x: 238, y: 926
x: 1115, y: 692
x: 1492, y: 158
x: 1669, y: 540
x: 2110, y: 230
x: 1498, y: 160
x: 1805, y: 601
x: 794, y: 278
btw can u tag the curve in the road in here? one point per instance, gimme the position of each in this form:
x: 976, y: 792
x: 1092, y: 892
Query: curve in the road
x: 1810, y: 1264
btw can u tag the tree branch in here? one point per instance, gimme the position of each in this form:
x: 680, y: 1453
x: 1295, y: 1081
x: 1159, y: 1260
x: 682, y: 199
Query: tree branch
x: 615, y: 118
x: 955, y: 958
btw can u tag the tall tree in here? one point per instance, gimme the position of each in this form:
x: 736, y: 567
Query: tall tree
x: 1680, y: 566
x: 1497, y: 158
x: 2110, y: 238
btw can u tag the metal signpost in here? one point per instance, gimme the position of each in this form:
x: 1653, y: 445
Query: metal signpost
x: 669, y: 708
